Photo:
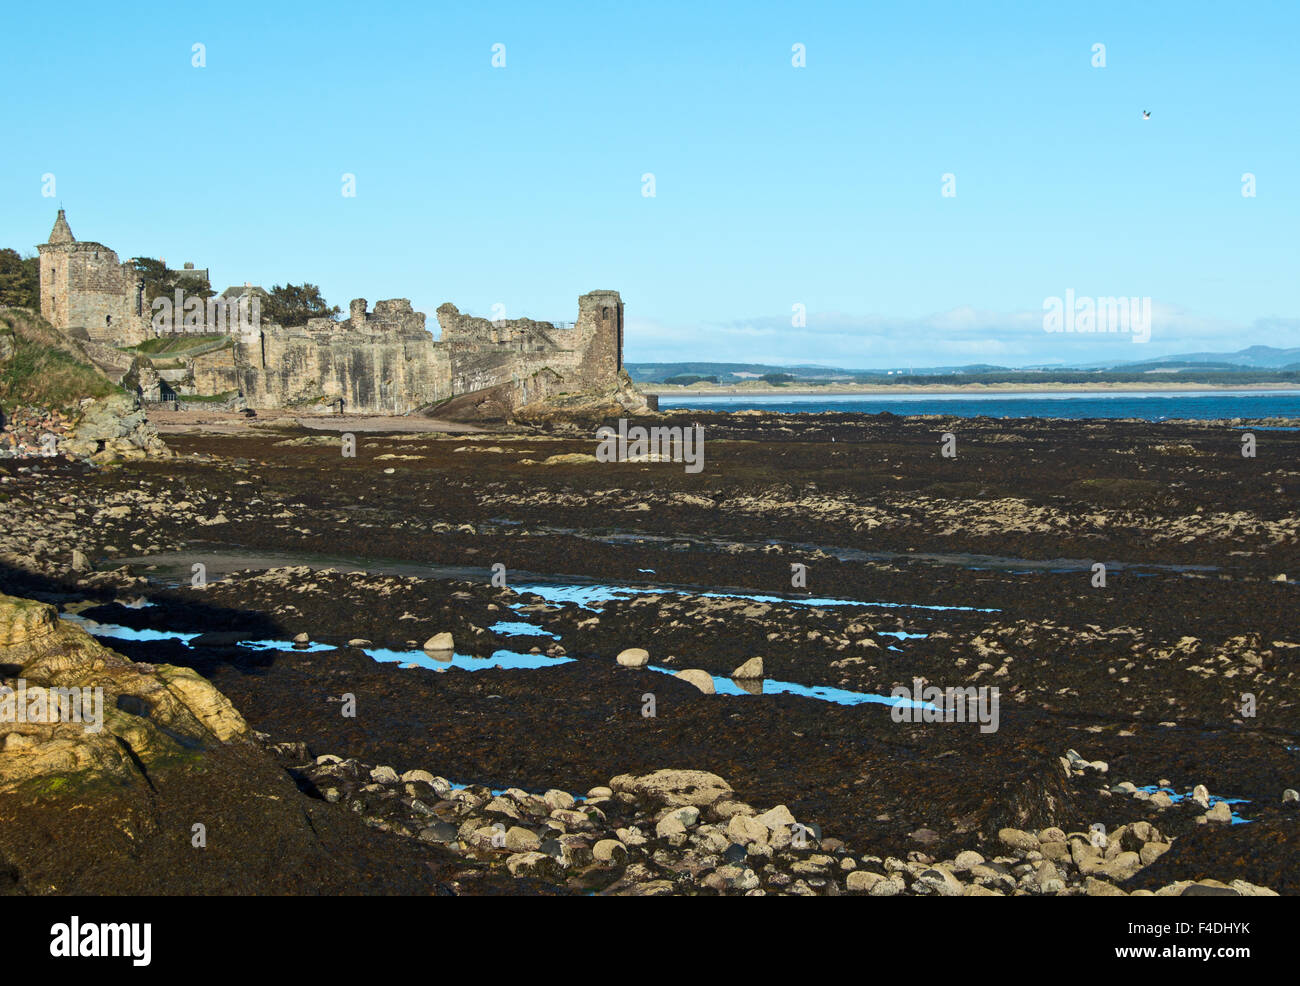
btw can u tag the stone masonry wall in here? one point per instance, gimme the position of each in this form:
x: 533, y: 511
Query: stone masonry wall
x: 102, y: 296
x: 383, y: 361
x: 85, y: 287
x: 537, y: 359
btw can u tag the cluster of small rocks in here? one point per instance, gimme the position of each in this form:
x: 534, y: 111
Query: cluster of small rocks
x: 745, y: 675
x: 1054, y: 861
x: 1161, y: 798
x: 1215, y: 809
x: 686, y: 832
x: 25, y: 433
x: 100, y: 430
x: 669, y: 832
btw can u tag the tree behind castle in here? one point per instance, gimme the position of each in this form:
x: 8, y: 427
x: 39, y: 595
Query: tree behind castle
x: 159, y: 282
x: 20, y: 280
x: 294, y: 304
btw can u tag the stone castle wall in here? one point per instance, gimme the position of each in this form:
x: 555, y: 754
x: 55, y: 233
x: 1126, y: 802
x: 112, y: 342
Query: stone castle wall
x: 536, y: 359
x: 383, y: 361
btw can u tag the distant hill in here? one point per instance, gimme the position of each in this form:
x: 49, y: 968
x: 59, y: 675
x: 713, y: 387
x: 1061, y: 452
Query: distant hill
x: 1248, y: 359
x: 1254, y: 357
x: 738, y: 372
x: 1251, y: 360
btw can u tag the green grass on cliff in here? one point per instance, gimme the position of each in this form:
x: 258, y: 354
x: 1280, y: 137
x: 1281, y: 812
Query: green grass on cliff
x: 42, y: 367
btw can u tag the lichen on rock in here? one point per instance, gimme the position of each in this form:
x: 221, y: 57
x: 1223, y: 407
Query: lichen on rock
x: 69, y: 705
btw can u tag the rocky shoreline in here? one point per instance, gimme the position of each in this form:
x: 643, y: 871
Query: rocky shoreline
x: 683, y: 831
x: 1122, y: 755
x: 101, y: 431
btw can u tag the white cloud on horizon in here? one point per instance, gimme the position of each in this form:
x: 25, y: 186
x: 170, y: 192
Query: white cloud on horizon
x: 959, y: 335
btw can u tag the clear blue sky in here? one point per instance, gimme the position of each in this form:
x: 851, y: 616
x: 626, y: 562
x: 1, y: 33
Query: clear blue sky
x: 775, y: 185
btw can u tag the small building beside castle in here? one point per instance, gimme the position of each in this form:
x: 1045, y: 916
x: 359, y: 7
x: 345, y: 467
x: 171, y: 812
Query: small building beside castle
x: 383, y: 361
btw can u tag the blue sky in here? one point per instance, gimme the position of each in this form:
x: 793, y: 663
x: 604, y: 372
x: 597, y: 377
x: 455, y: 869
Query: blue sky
x: 819, y: 186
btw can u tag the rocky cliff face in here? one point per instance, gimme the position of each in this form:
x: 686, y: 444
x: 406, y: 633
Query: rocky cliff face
x: 174, y: 794
x: 74, y: 712
x: 68, y: 405
x: 615, y: 401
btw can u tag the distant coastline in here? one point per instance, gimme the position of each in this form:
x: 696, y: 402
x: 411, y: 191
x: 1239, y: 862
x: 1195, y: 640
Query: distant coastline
x: 849, y: 390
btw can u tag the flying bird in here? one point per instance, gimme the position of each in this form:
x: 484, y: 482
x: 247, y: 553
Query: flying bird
x: 1146, y: 114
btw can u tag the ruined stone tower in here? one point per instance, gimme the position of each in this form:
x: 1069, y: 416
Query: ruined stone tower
x: 600, y: 324
x: 534, y: 360
x: 84, y: 287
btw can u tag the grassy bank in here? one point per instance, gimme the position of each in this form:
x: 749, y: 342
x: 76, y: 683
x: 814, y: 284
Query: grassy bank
x: 39, y: 366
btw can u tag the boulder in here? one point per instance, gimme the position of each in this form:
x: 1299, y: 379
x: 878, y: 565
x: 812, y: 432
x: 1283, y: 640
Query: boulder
x: 520, y: 839
x: 674, y: 787
x: 534, y: 864
x: 775, y: 818
x: 700, y: 679
x: 610, y: 851
x: 1219, y: 813
x: 1018, y: 840
x: 633, y: 657
x: 112, y: 426
x: 105, y: 717
x: 745, y: 830
x: 862, y: 881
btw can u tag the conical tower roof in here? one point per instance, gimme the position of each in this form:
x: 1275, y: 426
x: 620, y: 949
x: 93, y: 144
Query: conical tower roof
x: 61, y: 233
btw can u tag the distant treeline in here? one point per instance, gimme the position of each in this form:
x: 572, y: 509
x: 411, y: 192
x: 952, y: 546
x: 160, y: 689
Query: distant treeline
x: 1082, y: 377
x: 686, y: 379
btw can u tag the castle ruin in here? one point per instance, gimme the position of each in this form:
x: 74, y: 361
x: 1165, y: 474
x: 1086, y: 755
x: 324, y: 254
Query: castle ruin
x: 383, y: 361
